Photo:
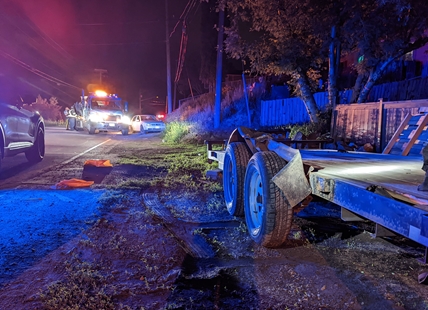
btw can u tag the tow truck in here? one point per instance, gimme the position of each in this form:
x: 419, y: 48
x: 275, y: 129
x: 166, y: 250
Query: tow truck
x: 100, y: 111
x: 267, y: 181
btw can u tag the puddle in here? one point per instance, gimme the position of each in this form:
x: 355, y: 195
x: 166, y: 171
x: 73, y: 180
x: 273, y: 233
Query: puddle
x: 217, y: 291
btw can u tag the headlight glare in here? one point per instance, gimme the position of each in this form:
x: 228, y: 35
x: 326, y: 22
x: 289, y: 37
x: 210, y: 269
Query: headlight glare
x: 95, y: 118
x: 126, y: 120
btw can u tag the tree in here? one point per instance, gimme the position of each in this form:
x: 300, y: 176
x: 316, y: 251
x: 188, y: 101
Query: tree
x: 382, y: 31
x: 49, y: 109
x: 281, y: 38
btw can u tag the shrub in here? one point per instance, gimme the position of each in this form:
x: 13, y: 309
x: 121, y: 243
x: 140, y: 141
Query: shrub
x: 50, y: 110
x: 320, y: 128
x: 175, y: 131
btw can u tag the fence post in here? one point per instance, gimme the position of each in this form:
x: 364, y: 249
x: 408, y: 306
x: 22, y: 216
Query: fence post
x: 333, y: 124
x: 381, y: 127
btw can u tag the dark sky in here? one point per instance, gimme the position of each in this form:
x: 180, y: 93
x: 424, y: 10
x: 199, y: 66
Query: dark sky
x: 45, y: 40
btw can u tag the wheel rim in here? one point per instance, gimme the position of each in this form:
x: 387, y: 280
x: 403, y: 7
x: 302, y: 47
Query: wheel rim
x: 255, y: 202
x: 229, y: 184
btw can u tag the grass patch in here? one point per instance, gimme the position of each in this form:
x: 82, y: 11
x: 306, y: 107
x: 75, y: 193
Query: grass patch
x: 175, y: 131
x: 183, y: 166
x: 84, y: 288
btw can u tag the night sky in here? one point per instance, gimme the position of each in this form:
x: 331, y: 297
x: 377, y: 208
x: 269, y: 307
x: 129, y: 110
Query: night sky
x: 52, y: 47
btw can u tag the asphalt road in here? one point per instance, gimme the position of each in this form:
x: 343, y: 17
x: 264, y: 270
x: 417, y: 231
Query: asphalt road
x: 35, y: 217
x: 62, y: 146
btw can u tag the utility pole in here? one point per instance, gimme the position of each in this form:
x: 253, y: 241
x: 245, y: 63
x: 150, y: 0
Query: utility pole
x: 168, y: 61
x: 140, y: 99
x: 217, y: 109
x: 101, y: 72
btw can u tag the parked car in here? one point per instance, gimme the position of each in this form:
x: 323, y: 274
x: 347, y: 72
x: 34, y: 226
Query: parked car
x: 146, y: 123
x: 21, y: 131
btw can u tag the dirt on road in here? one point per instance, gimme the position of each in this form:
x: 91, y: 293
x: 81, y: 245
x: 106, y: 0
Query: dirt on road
x: 162, y: 239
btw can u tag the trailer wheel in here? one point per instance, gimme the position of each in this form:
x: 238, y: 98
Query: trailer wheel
x: 235, y: 163
x: 37, y: 152
x: 267, y: 212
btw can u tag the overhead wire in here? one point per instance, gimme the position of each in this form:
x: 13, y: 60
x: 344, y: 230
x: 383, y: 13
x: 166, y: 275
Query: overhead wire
x: 189, y: 4
x: 184, y: 38
x: 36, y: 71
x: 182, y: 53
x: 48, y: 92
x: 50, y: 41
x: 29, y: 31
x: 30, y: 40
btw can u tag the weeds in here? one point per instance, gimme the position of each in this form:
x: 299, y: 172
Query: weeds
x: 83, y: 288
x: 175, y: 131
x: 179, y: 165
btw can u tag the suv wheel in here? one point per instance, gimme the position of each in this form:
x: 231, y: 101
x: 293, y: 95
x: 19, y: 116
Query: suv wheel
x: 91, y: 129
x: 37, y: 152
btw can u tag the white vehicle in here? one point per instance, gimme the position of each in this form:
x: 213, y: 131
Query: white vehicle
x: 145, y: 123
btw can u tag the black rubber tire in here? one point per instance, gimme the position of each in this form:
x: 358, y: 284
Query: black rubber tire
x: 91, y: 129
x: 37, y: 152
x: 235, y: 163
x: 125, y: 132
x: 267, y: 212
x: 142, y: 131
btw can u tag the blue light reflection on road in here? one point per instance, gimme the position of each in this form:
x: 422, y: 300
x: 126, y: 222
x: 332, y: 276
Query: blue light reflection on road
x: 36, y: 222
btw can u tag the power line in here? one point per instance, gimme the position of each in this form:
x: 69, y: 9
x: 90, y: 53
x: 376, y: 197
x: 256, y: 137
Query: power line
x: 190, y: 4
x: 55, y: 46
x: 46, y: 91
x: 117, y: 43
x: 117, y: 23
x: 36, y: 71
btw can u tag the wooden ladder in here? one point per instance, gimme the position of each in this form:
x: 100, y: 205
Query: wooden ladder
x: 410, y: 137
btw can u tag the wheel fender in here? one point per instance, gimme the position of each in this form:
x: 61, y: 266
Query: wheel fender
x: 291, y: 179
x: 243, y: 134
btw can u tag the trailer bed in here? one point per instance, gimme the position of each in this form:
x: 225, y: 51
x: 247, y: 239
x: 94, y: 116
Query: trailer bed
x: 381, y: 188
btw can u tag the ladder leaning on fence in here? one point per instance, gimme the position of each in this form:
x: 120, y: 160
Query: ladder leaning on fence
x: 411, y: 136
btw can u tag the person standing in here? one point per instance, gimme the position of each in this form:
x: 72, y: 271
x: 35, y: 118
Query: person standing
x: 67, y: 118
x: 72, y: 115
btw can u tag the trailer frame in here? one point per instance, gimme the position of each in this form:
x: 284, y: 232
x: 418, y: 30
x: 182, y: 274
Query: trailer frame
x: 389, y: 198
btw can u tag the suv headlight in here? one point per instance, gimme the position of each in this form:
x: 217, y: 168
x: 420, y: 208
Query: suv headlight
x: 126, y: 120
x: 96, y: 118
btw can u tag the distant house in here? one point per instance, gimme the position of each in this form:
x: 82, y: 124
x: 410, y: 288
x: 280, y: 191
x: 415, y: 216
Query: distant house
x: 413, y: 64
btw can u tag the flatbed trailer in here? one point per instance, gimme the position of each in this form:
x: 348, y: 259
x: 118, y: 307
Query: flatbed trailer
x: 268, y: 181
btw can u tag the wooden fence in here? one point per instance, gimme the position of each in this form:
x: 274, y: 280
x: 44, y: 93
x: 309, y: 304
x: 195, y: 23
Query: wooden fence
x: 374, y: 122
x: 290, y: 111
